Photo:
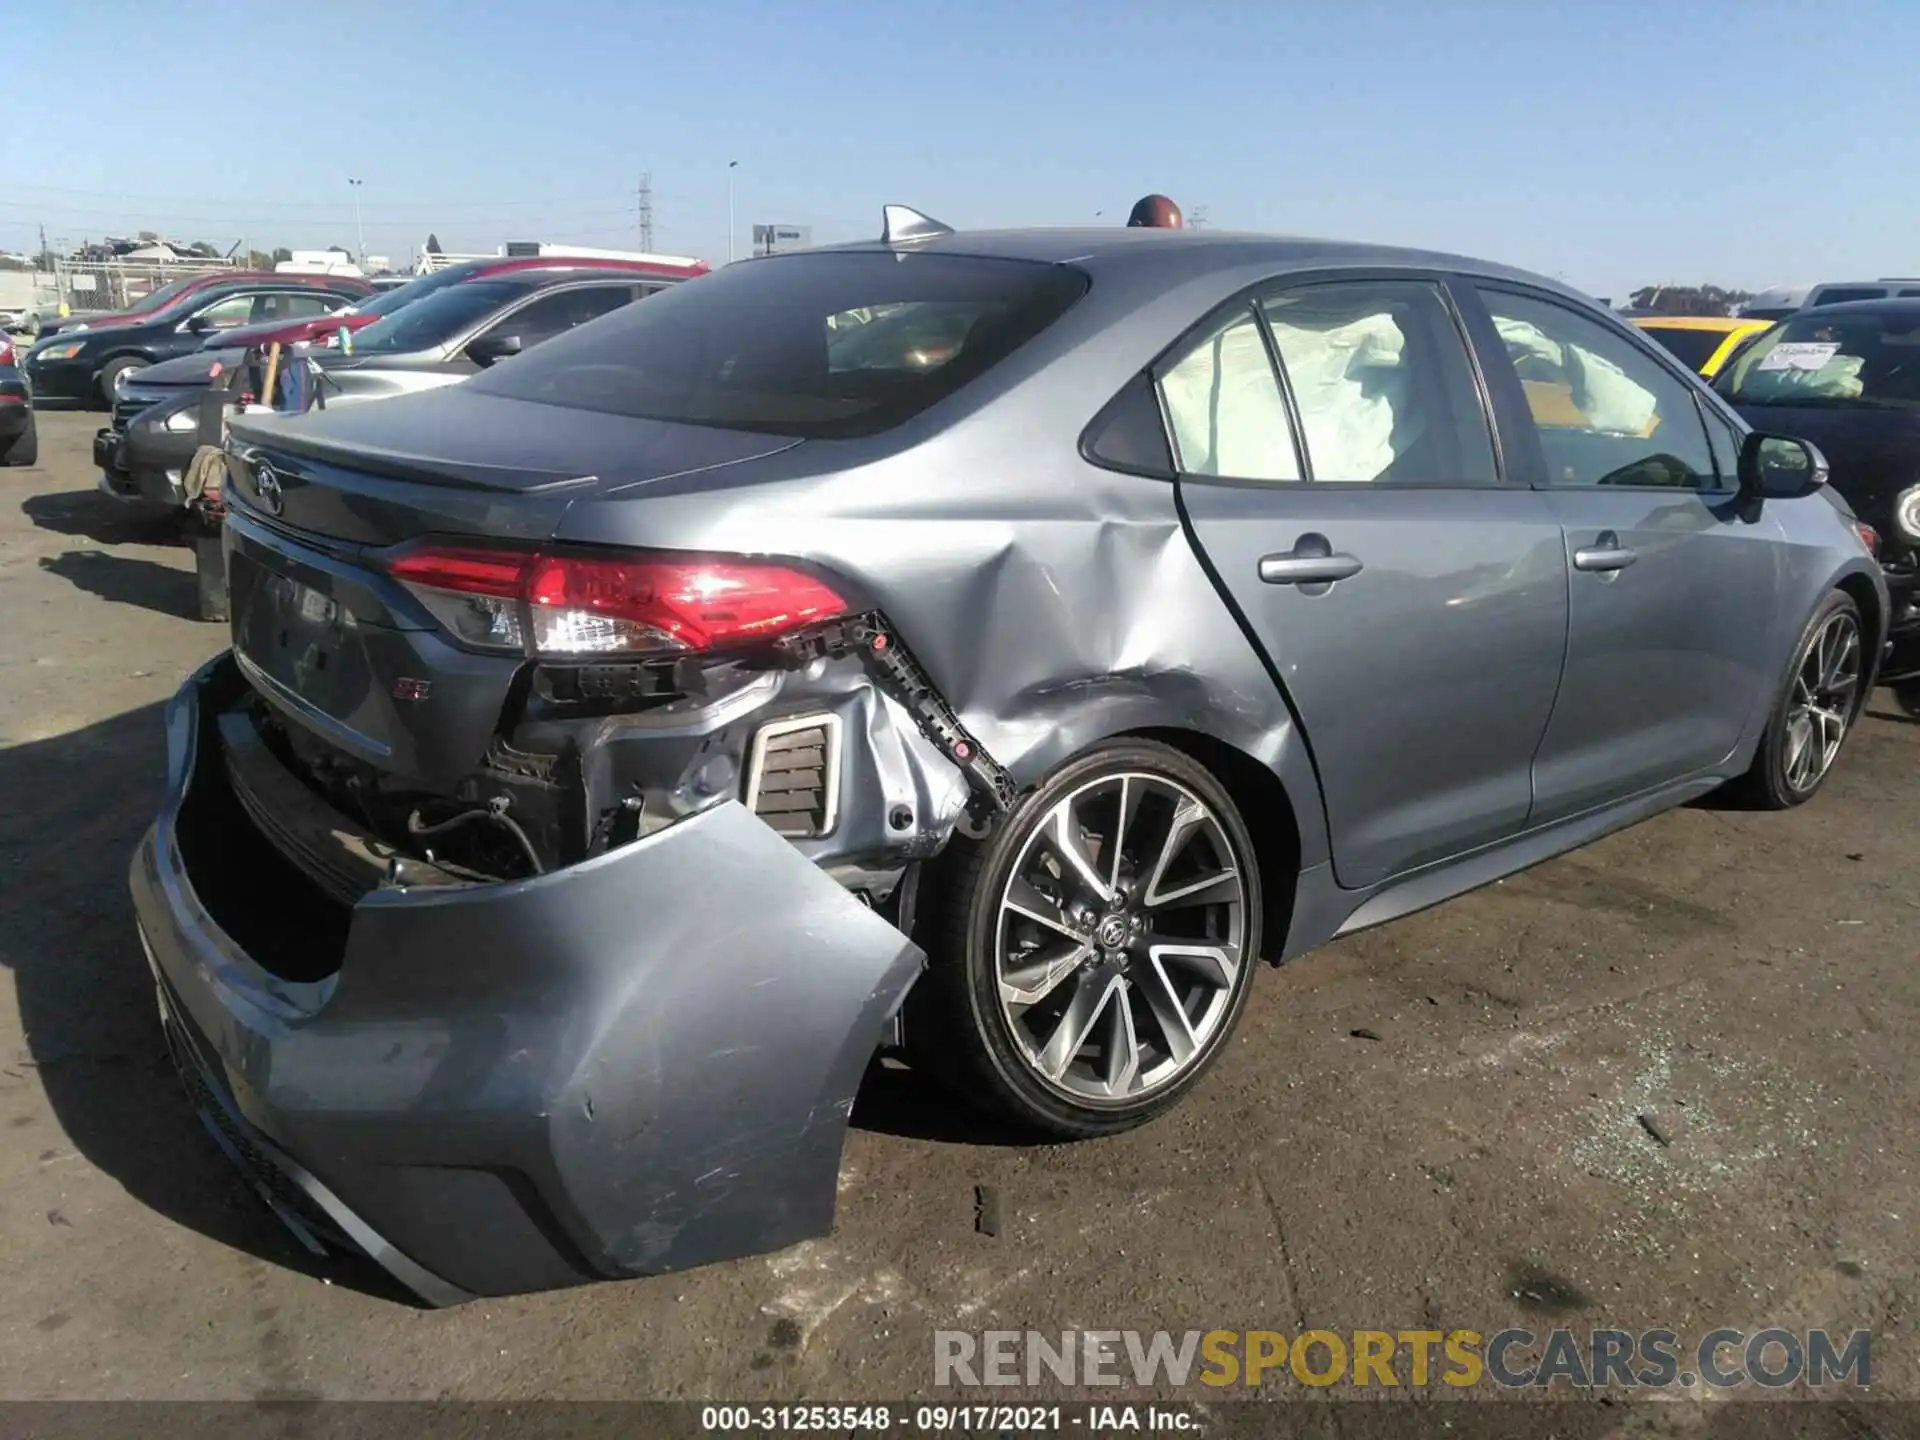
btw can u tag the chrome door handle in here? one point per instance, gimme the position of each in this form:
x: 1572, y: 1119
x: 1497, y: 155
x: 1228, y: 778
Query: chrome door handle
x: 1606, y: 553
x: 1312, y: 561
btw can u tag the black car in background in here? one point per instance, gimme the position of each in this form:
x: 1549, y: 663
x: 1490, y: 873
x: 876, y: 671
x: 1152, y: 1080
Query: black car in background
x: 84, y: 364
x: 19, y: 442
x: 1847, y: 377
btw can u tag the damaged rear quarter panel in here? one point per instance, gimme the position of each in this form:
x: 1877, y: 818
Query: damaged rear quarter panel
x: 1052, y: 602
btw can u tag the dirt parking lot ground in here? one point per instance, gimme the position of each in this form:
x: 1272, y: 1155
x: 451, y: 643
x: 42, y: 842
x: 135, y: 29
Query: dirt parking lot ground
x: 1438, y: 1124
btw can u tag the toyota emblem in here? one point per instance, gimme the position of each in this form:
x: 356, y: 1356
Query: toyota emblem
x: 266, y: 485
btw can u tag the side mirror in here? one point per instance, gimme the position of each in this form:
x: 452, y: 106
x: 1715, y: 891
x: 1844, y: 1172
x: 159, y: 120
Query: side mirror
x: 1780, y: 467
x: 197, y: 325
x: 486, y: 349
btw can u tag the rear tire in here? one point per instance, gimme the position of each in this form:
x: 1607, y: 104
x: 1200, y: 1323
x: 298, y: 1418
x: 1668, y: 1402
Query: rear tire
x: 1814, y: 713
x: 1079, y: 986
x: 24, y: 448
x: 210, y: 573
x: 1906, y: 694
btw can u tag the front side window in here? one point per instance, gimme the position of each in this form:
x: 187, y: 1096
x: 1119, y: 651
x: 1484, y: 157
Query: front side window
x: 1382, y: 383
x: 550, y: 315
x: 436, y: 318
x: 228, y: 313
x: 1606, y: 412
x: 1224, y: 407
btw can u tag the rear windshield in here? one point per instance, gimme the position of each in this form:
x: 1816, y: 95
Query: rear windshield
x: 1847, y: 294
x: 1692, y: 348
x: 435, y: 318
x: 816, y: 346
x: 1862, y: 359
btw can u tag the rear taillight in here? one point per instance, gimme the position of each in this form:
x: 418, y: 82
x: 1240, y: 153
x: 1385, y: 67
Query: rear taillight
x: 1869, y: 537
x: 597, y: 604
x: 6, y: 351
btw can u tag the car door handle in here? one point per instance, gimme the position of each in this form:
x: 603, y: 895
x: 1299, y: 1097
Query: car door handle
x: 1312, y: 561
x: 1606, y: 553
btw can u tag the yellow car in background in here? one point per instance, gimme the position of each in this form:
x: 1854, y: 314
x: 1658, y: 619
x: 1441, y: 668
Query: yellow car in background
x: 1703, y: 343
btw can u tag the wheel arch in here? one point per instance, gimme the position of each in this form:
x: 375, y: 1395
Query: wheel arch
x: 1860, y: 587
x: 1265, y: 808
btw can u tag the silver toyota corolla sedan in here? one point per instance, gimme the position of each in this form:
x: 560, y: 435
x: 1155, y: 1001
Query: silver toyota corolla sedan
x: 989, y: 646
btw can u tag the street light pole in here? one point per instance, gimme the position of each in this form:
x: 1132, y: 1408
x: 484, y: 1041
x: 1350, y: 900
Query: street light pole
x: 732, y: 165
x: 359, y: 229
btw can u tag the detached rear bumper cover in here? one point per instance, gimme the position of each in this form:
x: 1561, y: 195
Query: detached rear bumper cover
x: 639, y: 1064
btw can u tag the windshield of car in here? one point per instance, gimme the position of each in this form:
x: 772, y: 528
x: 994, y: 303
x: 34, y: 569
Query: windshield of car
x: 385, y: 302
x: 1692, y: 348
x: 165, y: 295
x: 433, y: 319
x: 815, y: 346
x: 1866, y: 359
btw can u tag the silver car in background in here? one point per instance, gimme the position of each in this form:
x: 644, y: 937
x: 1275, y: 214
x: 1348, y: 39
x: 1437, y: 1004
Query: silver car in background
x: 992, y: 645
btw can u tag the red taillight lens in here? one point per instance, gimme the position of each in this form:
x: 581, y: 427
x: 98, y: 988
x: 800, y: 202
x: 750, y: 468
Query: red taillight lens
x: 588, y: 604
x: 476, y: 572
x: 6, y: 351
x: 1869, y: 537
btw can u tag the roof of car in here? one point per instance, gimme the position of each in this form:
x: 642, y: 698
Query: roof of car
x: 1192, y: 251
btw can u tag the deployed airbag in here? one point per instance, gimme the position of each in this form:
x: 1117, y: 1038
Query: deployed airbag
x: 1601, y: 391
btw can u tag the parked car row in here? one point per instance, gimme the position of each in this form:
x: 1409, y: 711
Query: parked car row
x: 438, y: 330
x: 988, y: 647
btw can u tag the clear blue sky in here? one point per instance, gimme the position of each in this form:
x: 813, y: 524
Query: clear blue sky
x: 1614, y: 144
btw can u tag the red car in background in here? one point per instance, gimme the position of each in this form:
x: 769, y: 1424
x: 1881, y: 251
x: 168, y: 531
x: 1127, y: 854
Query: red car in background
x: 324, y: 329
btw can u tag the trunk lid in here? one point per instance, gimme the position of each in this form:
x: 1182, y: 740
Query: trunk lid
x: 337, y: 645
x: 456, y: 461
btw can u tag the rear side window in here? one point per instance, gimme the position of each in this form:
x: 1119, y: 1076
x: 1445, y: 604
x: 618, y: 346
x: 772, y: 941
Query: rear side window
x: 815, y: 346
x: 1382, y: 383
x: 1224, y: 407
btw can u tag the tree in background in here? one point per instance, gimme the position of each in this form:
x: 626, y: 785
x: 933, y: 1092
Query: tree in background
x: 433, y: 244
x: 282, y: 254
x: 1688, y: 299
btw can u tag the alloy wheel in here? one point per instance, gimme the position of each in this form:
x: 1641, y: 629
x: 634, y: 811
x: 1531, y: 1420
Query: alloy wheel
x: 1825, y: 691
x: 1118, y: 941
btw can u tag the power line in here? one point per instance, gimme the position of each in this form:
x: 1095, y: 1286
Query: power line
x: 300, y: 204
x: 320, y: 215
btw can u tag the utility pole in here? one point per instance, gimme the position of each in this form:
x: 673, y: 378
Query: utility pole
x: 43, y: 247
x: 732, y: 165
x: 359, y: 229
x: 646, y: 214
